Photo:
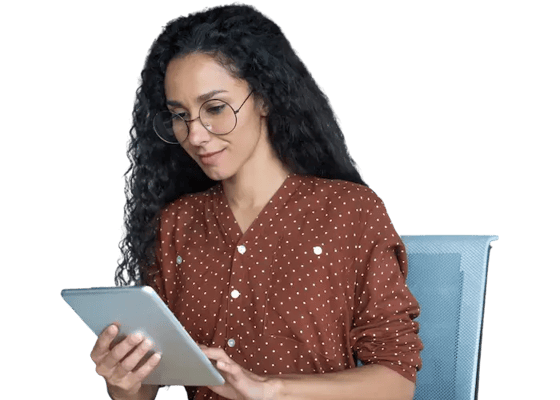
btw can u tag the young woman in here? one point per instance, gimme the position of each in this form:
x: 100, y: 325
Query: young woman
x: 247, y: 215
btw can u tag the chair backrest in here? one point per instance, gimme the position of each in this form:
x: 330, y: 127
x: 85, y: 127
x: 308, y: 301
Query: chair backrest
x: 447, y: 275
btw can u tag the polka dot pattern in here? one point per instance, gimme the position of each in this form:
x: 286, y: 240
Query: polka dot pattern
x: 316, y: 280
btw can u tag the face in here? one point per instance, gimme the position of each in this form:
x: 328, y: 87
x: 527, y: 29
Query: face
x: 189, y: 82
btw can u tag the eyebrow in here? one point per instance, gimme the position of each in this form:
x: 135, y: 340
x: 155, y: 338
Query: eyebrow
x: 200, y: 99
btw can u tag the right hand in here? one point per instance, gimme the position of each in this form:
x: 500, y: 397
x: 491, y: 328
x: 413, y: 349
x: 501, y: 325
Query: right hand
x: 121, y: 370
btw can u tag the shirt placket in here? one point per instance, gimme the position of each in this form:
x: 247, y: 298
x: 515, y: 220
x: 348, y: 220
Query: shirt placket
x: 237, y: 292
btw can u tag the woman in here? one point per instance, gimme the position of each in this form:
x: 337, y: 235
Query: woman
x: 247, y: 215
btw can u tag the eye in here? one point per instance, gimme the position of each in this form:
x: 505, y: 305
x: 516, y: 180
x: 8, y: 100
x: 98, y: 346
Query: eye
x: 214, y: 107
x: 179, y: 115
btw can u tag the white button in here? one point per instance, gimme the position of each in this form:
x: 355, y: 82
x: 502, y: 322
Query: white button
x: 242, y: 249
x: 179, y: 259
x: 231, y: 342
x: 235, y: 293
x: 317, y: 250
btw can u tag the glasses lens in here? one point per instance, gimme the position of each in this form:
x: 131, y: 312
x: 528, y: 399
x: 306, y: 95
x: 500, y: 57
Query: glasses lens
x: 170, y: 127
x: 218, y: 117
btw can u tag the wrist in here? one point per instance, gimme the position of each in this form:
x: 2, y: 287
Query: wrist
x: 117, y: 394
x: 274, y: 389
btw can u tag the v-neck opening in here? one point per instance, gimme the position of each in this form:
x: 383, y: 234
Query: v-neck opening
x: 230, y: 224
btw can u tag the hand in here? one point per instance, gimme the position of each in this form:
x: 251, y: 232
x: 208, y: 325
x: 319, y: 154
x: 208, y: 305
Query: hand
x: 241, y: 384
x: 120, y: 365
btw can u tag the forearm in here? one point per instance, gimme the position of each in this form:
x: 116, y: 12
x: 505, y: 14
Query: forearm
x: 146, y: 392
x: 372, y: 382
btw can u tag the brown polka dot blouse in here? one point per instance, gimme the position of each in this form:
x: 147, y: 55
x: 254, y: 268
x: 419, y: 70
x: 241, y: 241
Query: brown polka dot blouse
x: 317, y: 280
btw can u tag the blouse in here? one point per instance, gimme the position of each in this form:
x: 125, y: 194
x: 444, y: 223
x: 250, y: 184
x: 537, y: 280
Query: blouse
x: 316, y: 282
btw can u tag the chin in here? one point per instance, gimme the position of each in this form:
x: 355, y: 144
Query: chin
x: 217, y: 174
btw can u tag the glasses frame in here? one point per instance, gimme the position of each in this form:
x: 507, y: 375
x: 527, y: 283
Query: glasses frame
x: 187, y: 122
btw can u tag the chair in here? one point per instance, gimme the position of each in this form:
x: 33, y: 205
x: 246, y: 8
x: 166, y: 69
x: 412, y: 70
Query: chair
x: 447, y: 275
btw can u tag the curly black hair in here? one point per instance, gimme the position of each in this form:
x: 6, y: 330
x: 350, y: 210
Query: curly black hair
x: 302, y: 127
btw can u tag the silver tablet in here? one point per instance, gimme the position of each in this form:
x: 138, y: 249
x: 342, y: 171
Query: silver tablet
x: 139, y: 309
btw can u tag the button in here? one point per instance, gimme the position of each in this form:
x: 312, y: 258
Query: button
x: 317, y: 250
x: 231, y: 342
x: 235, y: 293
x: 179, y: 259
x: 242, y: 249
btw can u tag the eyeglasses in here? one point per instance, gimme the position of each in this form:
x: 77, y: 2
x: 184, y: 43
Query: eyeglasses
x: 217, y: 116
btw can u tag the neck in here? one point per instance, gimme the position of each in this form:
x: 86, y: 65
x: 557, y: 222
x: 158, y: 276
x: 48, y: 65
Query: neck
x: 255, y: 184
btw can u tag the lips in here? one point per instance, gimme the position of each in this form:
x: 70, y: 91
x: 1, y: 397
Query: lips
x: 210, y: 158
x: 210, y: 154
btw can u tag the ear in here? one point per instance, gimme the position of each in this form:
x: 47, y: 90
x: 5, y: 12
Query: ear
x: 263, y: 110
x: 262, y: 106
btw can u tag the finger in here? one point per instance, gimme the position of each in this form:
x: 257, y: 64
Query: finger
x: 121, y: 350
x: 223, y: 362
x: 229, y: 367
x: 101, y: 347
x: 146, y: 369
x: 215, y: 353
x: 131, y: 362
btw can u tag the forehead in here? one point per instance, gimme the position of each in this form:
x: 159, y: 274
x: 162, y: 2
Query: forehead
x: 192, y: 75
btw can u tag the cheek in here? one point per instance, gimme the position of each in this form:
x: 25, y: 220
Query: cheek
x: 244, y: 144
x: 188, y: 149
x: 248, y: 133
x: 191, y: 152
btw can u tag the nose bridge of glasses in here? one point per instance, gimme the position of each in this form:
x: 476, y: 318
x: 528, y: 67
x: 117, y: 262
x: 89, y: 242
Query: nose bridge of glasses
x: 190, y: 127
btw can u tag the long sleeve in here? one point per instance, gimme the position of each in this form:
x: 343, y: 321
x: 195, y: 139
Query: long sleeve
x: 384, y: 331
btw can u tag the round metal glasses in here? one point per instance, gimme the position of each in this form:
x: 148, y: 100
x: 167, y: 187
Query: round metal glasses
x: 217, y: 116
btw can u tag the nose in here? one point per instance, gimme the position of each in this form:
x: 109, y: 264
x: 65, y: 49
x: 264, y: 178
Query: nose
x: 197, y: 132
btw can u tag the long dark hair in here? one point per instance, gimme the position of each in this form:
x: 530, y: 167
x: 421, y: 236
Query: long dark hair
x: 302, y: 126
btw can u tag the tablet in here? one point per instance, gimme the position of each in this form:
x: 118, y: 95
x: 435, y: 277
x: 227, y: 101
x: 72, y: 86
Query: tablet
x: 140, y: 309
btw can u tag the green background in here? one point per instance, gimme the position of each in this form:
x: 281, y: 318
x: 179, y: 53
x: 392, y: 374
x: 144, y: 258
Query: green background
x: 450, y: 109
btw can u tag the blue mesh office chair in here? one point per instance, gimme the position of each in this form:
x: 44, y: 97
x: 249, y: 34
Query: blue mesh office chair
x: 447, y: 274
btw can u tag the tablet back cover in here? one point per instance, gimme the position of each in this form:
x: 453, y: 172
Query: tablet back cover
x: 139, y: 309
